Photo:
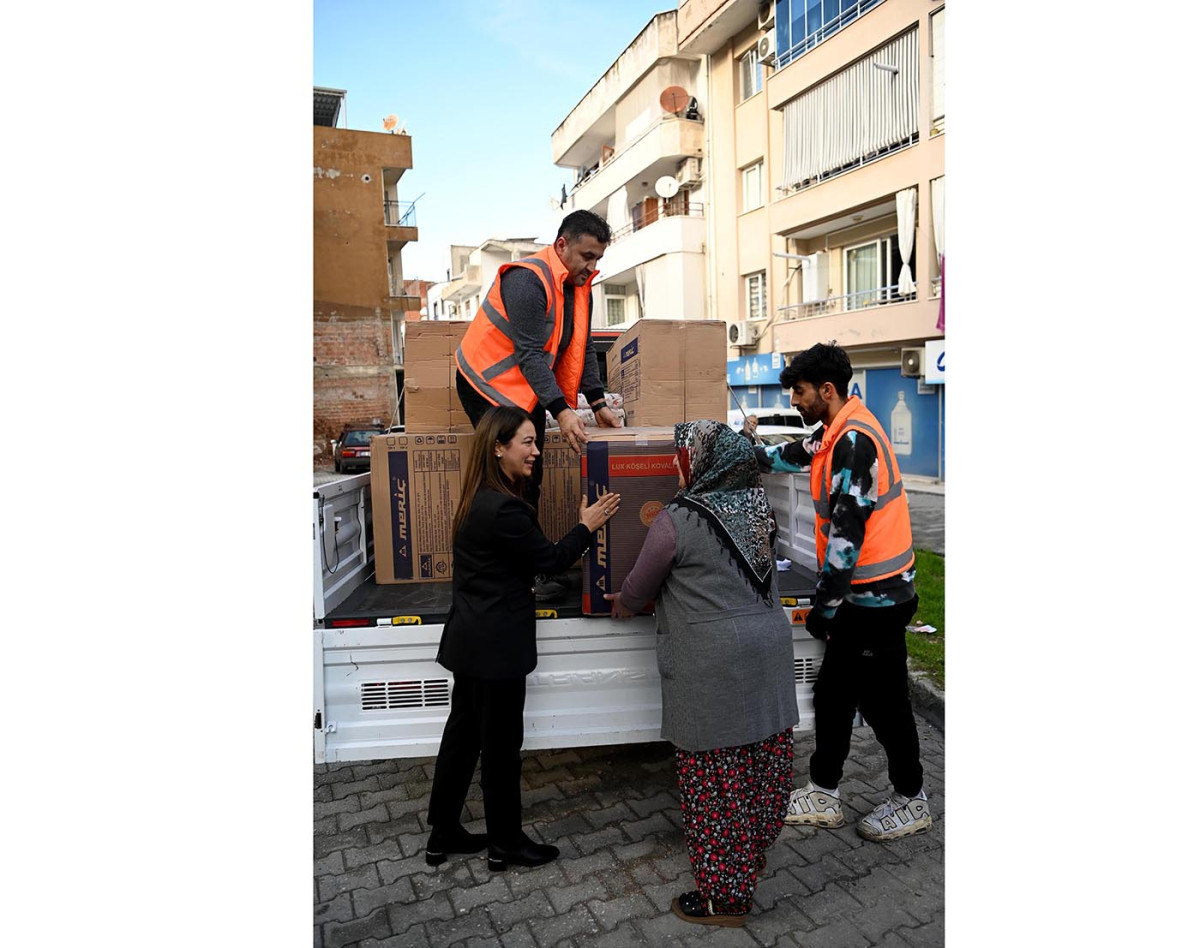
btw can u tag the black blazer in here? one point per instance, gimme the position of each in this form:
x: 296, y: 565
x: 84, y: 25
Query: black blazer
x: 490, y: 631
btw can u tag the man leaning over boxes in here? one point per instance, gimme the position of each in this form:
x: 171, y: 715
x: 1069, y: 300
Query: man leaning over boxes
x: 530, y: 344
x: 865, y: 595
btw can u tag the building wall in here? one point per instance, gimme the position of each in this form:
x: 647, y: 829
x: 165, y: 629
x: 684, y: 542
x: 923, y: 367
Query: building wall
x: 354, y: 374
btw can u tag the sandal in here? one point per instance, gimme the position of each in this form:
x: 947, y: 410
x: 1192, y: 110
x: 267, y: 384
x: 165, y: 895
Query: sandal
x: 694, y: 907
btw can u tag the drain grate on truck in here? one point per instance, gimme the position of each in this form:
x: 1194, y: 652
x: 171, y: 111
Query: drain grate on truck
x: 806, y: 669
x: 392, y: 695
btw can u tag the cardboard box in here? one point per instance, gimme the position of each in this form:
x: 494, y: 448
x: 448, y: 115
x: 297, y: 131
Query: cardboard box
x: 638, y: 464
x: 670, y: 370
x: 416, y: 483
x: 431, y: 403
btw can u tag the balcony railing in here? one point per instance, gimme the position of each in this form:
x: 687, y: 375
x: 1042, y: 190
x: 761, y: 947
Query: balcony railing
x: 848, y: 302
x: 400, y: 213
x: 691, y: 210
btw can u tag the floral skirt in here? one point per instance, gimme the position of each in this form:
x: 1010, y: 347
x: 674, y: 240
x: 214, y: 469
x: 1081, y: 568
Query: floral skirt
x: 733, y: 801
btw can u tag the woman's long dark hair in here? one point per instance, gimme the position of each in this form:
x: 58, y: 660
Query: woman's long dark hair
x: 482, y: 467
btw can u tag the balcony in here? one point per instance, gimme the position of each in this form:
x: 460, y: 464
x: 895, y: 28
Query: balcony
x: 848, y: 302
x: 656, y: 152
x: 400, y: 217
x: 678, y: 231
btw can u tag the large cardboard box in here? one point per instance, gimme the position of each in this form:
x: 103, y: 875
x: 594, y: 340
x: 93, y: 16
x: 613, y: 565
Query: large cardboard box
x: 638, y: 464
x: 670, y: 370
x: 416, y: 483
x: 430, y: 400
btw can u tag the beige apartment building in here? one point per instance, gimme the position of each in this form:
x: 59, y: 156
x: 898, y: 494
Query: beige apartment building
x: 819, y: 181
x: 360, y: 296
x: 472, y: 272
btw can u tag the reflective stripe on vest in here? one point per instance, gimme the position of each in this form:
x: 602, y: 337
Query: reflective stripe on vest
x: 887, y: 546
x: 487, y: 358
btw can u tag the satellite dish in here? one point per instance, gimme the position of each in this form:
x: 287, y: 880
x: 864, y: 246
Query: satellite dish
x: 389, y: 122
x: 674, y: 99
x: 666, y: 186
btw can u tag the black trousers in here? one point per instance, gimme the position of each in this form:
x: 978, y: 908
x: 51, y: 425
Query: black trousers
x: 486, y: 721
x: 866, y: 667
x: 475, y: 405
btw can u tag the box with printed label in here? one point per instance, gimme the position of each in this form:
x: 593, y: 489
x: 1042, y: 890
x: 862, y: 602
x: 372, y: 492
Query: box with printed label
x: 416, y: 484
x: 638, y: 464
x: 670, y: 370
x: 430, y: 400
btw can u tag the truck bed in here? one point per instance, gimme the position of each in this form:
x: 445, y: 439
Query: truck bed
x: 430, y: 602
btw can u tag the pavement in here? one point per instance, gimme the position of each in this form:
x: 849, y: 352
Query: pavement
x: 614, y: 813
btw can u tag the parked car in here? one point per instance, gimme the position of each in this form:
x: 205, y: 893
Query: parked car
x: 352, y: 450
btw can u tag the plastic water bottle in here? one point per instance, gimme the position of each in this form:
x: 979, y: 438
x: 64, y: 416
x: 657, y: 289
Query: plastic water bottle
x: 901, y: 426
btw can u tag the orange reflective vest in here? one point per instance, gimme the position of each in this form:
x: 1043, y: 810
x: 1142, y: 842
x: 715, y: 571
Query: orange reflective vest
x: 887, y: 546
x: 487, y: 355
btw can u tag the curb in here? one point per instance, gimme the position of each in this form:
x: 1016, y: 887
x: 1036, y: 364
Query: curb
x: 928, y: 700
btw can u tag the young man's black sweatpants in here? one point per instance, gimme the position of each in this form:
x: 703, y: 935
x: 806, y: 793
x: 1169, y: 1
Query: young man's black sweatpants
x: 866, y: 667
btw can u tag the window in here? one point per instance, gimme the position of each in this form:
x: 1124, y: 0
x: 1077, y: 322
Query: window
x: 756, y: 295
x: 752, y: 186
x: 872, y: 270
x: 752, y: 73
x: 937, y: 52
x: 614, y: 310
x: 802, y: 24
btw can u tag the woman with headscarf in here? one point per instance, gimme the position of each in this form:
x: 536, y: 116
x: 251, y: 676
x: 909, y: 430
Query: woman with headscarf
x: 726, y: 661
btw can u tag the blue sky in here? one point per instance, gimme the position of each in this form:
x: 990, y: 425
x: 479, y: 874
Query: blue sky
x: 481, y: 87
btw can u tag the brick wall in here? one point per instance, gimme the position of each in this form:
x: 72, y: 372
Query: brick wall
x: 354, y: 379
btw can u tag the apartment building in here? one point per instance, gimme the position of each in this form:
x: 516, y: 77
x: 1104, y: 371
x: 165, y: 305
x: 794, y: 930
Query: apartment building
x: 360, y: 296
x: 824, y: 168
x: 472, y: 271
x: 636, y: 142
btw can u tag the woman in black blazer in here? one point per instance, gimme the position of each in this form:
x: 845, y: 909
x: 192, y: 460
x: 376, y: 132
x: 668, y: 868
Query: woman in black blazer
x: 489, y: 641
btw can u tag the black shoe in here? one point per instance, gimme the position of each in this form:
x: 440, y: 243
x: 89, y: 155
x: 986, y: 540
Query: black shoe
x: 694, y: 907
x: 525, y: 853
x: 550, y: 588
x: 457, y: 840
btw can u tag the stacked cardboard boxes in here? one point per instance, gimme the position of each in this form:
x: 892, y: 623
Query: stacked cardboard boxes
x: 670, y: 370
x: 416, y: 483
x: 430, y: 400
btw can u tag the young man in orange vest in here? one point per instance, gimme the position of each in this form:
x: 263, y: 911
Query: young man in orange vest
x: 530, y: 344
x: 865, y: 595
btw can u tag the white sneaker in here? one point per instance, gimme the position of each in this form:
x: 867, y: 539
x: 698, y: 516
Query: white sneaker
x: 896, y: 817
x: 813, y: 806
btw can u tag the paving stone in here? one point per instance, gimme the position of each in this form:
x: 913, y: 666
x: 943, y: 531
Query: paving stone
x: 931, y: 935
x: 324, y: 844
x: 340, y: 934
x: 590, y: 842
x: 781, y: 920
x: 322, y: 793
x: 329, y: 886
x: 540, y: 778
x: 340, y: 909
x: 406, y: 916
x: 572, y: 824
x: 576, y: 869
x: 875, y: 921
x: 893, y: 940
x: 466, y: 898
x: 474, y: 924
x: 506, y: 915
x: 367, y: 901
x: 551, y: 931
x: 660, y: 801
x: 330, y: 864
x: 653, y: 825
x: 831, y: 902
x: 619, y: 812
x: 362, y: 771
x: 540, y: 879
x: 519, y: 936
x: 624, y: 935
x: 611, y: 912
x: 396, y: 941
x: 427, y: 881
x: 334, y: 807
x: 837, y: 934
x: 342, y: 790
x: 347, y: 821
x: 388, y: 849
x: 326, y: 826
x: 389, y: 829
x: 779, y: 885
x: 395, y: 784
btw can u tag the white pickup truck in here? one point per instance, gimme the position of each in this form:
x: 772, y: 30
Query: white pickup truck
x: 378, y: 693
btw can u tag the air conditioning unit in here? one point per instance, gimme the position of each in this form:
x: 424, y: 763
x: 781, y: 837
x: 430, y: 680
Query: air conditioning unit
x: 688, y: 174
x: 815, y: 277
x: 911, y: 363
x: 766, y: 49
x: 744, y: 333
x: 766, y: 15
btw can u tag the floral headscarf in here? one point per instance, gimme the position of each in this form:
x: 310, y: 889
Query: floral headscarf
x: 724, y: 486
